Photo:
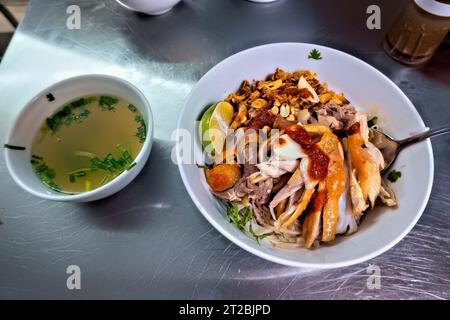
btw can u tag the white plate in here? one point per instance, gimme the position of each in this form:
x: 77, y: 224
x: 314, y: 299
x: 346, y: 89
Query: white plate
x: 368, y: 90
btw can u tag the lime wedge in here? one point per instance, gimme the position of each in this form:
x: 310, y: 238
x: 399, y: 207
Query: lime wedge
x: 214, y: 125
x: 204, y: 125
x: 218, y: 125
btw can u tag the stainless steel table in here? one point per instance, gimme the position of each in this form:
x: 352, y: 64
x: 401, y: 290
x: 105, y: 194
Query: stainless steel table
x: 150, y: 241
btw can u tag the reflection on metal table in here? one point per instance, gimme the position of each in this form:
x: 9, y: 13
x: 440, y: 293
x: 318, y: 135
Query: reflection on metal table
x: 149, y: 240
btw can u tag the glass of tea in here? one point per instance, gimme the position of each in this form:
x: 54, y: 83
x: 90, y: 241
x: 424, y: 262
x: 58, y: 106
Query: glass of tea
x: 418, y: 31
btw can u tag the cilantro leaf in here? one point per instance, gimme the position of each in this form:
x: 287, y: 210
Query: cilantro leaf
x: 394, y: 175
x: 315, y: 54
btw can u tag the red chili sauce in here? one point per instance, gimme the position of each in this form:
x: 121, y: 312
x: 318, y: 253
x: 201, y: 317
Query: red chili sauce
x: 318, y: 166
x: 354, y: 129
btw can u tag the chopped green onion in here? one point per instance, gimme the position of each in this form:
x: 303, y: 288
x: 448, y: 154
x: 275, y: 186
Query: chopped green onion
x: 44, y: 172
x: 67, y: 115
x: 9, y: 146
x: 132, y: 108
x: 113, y: 166
x: 142, y: 129
x: 79, y: 103
x: 107, y: 102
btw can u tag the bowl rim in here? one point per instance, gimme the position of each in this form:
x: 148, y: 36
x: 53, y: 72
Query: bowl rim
x: 95, y: 192
x: 284, y: 261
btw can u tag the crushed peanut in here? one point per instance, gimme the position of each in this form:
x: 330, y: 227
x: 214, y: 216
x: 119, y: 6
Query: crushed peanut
x: 275, y: 110
x: 259, y: 103
x: 280, y: 94
x: 285, y: 110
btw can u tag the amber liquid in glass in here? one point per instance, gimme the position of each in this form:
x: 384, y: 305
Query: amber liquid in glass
x: 415, y: 35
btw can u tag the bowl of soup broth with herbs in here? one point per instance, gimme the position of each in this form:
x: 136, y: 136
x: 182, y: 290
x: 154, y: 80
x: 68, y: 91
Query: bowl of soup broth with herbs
x: 77, y: 146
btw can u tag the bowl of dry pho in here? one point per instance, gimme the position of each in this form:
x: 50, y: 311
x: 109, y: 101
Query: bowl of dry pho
x: 82, y: 139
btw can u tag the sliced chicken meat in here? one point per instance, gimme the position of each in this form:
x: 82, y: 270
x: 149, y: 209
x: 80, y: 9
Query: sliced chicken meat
x: 294, y: 184
x: 347, y: 222
x: 334, y: 184
x: 387, y: 196
x: 311, y: 224
x: 276, y: 168
x: 363, y: 165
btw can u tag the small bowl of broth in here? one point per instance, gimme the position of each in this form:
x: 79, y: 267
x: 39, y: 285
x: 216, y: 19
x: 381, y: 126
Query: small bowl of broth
x: 82, y: 139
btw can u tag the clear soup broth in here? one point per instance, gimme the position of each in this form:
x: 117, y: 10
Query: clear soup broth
x: 87, y: 143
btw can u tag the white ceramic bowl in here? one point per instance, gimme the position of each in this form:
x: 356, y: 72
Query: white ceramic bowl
x: 367, y: 89
x: 39, y: 108
x: 151, y: 7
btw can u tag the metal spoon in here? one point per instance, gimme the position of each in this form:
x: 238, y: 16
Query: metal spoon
x: 390, y: 148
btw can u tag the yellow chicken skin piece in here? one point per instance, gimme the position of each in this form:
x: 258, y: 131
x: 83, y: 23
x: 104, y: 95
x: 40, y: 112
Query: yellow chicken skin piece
x: 367, y: 171
x: 311, y: 224
x: 334, y: 184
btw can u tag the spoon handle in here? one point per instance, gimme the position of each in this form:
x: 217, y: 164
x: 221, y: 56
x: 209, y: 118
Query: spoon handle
x: 424, y: 135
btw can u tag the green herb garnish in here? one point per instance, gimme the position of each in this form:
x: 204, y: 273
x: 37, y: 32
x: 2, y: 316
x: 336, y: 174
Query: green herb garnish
x: 107, y: 103
x: 50, y: 97
x: 132, y: 108
x: 394, y: 175
x: 235, y: 218
x: 240, y: 218
x: 81, y: 116
x: 142, y: 129
x: 78, y: 103
x: 315, y: 54
x: 66, y: 115
x: 44, y: 172
x: 10, y: 146
x: 111, y: 165
x: 372, y: 122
